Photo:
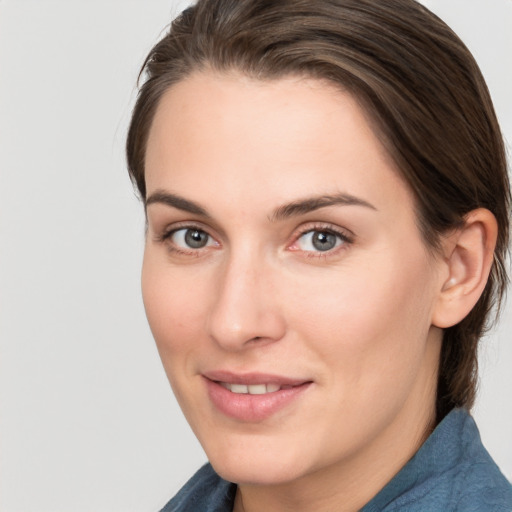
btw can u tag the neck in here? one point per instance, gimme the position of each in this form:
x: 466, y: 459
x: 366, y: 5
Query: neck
x: 343, y: 487
x: 350, y: 484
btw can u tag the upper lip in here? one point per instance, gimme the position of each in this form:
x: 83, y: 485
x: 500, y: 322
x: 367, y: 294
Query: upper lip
x: 252, y: 378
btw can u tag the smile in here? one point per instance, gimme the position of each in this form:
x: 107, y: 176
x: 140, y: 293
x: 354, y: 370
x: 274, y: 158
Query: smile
x: 252, y: 389
x: 252, y: 397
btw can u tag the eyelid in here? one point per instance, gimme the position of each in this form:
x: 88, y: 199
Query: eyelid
x: 173, y: 235
x: 164, y: 236
x: 344, y: 234
x: 162, y: 230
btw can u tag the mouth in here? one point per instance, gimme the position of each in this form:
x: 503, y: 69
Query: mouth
x: 252, y: 389
x: 252, y: 397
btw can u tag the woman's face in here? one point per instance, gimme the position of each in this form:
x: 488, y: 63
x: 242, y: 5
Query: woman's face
x: 285, y: 280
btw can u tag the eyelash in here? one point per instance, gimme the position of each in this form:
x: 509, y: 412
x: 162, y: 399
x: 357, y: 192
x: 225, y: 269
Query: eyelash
x: 346, y: 238
x: 165, y: 236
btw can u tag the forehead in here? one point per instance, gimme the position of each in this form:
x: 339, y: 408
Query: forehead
x: 229, y: 134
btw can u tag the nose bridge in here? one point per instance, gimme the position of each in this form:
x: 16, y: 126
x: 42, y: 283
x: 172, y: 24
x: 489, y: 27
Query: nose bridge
x: 243, y: 310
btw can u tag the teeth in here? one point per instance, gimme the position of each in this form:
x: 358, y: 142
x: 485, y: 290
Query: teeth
x: 252, y: 389
x: 257, y: 389
x: 238, y: 388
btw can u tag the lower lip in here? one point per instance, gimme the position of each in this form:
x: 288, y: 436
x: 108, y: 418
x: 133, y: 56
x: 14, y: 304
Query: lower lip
x: 252, y: 408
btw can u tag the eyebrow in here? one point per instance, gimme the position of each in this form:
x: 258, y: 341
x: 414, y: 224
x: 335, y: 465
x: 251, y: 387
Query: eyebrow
x: 295, y: 208
x: 178, y: 202
x: 310, y: 204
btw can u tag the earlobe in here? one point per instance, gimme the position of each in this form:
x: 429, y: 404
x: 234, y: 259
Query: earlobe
x: 469, y: 253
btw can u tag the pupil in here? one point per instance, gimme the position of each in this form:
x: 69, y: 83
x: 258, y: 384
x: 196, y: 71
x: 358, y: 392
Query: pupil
x: 196, y: 238
x: 323, y: 241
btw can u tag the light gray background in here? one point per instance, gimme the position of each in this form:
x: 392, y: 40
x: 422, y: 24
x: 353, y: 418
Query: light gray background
x: 87, y: 420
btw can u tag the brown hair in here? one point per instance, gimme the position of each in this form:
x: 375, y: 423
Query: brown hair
x: 417, y: 82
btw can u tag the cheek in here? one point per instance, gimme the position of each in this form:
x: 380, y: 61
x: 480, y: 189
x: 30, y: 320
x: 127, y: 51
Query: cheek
x: 366, y: 317
x: 174, y: 305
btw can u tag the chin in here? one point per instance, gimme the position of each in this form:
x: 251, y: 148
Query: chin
x: 256, y: 473
x: 258, y: 463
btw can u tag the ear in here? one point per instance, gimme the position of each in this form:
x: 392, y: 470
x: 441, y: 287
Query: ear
x: 468, y: 256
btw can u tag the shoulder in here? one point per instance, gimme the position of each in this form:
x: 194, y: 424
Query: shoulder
x: 452, y: 472
x: 477, y: 482
x: 205, y: 491
x: 475, y: 487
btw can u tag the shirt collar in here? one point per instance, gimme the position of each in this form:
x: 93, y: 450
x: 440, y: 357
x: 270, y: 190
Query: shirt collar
x: 443, y: 450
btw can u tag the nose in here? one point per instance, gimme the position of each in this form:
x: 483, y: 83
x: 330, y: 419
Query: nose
x: 246, y: 311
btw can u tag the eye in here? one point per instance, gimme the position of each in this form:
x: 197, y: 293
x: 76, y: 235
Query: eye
x: 190, y: 238
x: 319, y: 241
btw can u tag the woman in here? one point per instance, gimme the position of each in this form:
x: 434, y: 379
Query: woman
x: 327, y: 207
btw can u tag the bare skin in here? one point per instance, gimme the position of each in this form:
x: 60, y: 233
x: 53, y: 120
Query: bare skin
x: 281, y: 241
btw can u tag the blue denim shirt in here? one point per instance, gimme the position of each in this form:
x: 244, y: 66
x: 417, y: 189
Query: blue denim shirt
x: 451, y: 472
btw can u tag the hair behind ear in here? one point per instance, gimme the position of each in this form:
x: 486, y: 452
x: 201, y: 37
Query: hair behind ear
x: 469, y: 256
